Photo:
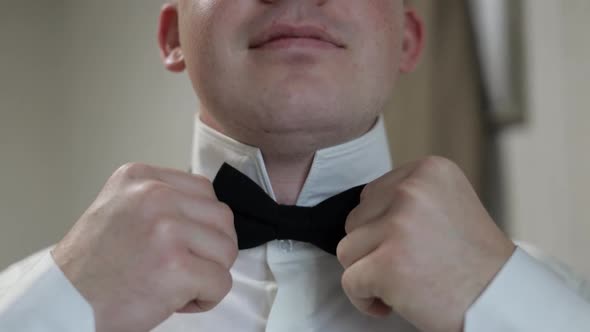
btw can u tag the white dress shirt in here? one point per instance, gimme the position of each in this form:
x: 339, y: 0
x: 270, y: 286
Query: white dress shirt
x: 290, y: 286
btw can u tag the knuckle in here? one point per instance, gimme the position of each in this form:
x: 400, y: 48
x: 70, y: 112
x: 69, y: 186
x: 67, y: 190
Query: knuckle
x: 387, y: 253
x: 203, y: 185
x: 233, y: 253
x: 229, y: 253
x: 351, y: 216
x: 226, y: 215
x: 174, y: 263
x: 350, y: 223
x: 222, y: 285
x: 202, y: 180
x: 401, y: 223
x: 436, y: 164
x: 226, y: 283
x: 225, y: 211
x: 348, y: 282
x: 132, y: 170
x: 342, y: 253
x: 164, y: 231
x: 408, y: 191
x: 366, y: 190
x: 153, y: 190
x: 393, y: 254
x: 149, y: 197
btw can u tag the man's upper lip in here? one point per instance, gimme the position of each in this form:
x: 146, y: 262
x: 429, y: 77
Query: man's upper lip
x: 278, y: 31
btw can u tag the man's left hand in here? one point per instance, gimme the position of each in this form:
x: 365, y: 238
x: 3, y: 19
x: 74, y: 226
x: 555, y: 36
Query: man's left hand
x: 421, y: 243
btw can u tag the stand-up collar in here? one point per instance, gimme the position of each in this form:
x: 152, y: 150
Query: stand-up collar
x: 333, y: 170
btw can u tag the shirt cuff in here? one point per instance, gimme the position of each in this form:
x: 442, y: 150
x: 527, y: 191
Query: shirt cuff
x: 525, y: 296
x: 44, y: 300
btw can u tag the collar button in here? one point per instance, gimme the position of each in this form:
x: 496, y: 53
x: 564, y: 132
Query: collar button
x: 286, y: 245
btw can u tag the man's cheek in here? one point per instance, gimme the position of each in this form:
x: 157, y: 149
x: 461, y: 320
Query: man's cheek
x: 386, y: 15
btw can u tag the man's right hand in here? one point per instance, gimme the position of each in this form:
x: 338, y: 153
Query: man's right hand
x: 155, y: 242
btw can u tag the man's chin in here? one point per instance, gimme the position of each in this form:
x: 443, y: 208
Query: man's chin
x: 305, y: 95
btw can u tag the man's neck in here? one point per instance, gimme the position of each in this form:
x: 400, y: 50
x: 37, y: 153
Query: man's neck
x: 287, y: 172
x: 287, y: 175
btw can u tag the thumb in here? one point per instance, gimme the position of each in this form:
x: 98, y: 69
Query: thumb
x: 372, y: 307
x: 378, y: 308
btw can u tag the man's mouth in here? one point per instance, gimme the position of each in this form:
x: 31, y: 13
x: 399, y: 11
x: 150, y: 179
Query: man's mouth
x: 280, y: 36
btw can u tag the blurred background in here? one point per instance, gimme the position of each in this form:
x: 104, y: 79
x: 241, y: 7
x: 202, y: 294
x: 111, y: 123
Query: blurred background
x: 502, y: 90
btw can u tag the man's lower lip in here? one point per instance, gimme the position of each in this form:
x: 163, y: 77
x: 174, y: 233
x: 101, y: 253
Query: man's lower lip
x: 288, y: 43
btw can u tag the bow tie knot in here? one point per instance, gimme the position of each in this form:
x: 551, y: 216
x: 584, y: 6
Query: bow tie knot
x: 293, y: 222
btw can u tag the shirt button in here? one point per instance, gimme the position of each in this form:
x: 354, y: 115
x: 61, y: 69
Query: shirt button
x: 286, y: 245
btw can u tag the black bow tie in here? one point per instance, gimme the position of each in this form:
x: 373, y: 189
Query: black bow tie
x: 259, y: 219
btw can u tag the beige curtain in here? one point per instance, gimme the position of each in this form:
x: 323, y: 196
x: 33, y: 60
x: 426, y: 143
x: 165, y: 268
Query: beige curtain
x: 438, y: 109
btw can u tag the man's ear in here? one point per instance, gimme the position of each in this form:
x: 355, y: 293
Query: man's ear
x: 169, y: 39
x: 413, y: 42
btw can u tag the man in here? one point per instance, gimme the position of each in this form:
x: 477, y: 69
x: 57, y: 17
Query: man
x: 291, y: 96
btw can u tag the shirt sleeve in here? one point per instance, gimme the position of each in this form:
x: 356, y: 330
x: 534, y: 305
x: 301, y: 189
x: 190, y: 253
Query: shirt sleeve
x: 35, y: 296
x: 527, y: 296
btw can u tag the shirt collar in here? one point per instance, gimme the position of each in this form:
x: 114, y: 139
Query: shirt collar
x: 333, y: 170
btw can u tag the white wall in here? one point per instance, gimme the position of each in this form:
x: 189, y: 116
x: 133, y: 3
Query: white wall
x: 121, y: 104
x: 548, y: 162
x: 31, y: 128
x: 82, y: 92
x: 577, y: 102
